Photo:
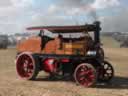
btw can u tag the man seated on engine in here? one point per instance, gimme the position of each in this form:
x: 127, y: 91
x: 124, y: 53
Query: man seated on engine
x: 59, y: 41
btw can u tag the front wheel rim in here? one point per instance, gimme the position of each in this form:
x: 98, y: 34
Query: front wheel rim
x: 106, y: 72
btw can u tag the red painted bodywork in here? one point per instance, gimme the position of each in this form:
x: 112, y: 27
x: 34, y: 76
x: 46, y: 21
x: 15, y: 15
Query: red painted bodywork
x: 49, y: 65
x: 65, y: 60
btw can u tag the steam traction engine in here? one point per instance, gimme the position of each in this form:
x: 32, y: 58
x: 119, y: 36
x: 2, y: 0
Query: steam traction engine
x: 82, y: 58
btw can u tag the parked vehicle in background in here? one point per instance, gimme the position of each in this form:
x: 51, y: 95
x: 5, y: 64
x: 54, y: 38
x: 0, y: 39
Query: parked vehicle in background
x: 3, y: 41
x: 124, y: 44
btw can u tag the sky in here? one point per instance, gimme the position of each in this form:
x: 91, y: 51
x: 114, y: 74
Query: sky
x: 17, y: 15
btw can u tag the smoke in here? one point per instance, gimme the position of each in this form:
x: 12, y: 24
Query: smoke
x: 18, y: 14
x: 87, y: 8
x: 102, y: 4
x: 76, y: 8
x: 65, y: 12
x: 94, y: 15
x: 91, y: 12
x: 5, y: 3
x: 73, y: 3
x: 116, y: 23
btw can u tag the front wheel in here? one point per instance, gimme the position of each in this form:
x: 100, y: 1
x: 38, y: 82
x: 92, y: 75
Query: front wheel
x: 85, y: 75
x: 105, y: 72
x: 27, y: 66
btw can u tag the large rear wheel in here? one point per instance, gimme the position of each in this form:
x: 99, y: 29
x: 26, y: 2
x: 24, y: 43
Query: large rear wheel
x: 85, y: 75
x: 27, y: 66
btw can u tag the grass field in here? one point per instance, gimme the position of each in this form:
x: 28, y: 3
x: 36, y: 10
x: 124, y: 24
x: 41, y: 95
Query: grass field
x: 11, y: 85
x: 109, y: 42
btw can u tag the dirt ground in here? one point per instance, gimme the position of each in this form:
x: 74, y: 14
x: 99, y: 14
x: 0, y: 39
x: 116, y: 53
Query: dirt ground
x: 11, y: 85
